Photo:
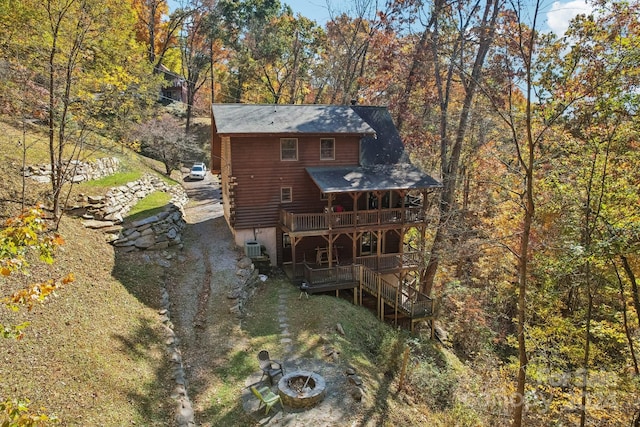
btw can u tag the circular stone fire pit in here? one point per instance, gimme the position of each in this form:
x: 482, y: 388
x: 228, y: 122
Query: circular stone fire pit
x: 301, y: 389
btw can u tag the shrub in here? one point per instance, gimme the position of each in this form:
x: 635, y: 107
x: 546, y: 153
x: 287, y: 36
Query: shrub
x: 435, y: 385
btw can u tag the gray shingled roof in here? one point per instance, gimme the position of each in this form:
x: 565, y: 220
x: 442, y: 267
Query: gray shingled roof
x: 257, y: 119
x: 379, y: 177
x: 385, y: 147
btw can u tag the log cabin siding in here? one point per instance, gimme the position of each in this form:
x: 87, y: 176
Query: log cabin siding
x: 228, y: 200
x: 260, y: 175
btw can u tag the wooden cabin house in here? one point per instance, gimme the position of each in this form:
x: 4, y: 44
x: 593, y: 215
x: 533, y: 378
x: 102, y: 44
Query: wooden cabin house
x: 329, y: 194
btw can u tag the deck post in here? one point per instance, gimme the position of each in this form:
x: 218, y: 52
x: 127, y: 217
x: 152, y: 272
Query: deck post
x: 398, y: 290
x: 355, y: 291
x: 380, y: 300
x: 361, y: 281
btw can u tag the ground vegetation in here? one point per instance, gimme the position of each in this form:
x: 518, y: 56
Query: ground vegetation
x: 532, y: 246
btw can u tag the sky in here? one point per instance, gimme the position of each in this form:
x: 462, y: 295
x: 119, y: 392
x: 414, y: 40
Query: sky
x: 560, y: 14
x: 312, y: 9
x: 555, y: 15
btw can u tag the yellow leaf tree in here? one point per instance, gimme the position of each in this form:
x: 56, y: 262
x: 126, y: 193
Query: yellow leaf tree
x: 20, y: 239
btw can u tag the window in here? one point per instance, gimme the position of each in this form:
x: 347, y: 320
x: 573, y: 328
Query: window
x: 368, y: 243
x: 327, y: 149
x: 286, y: 240
x: 286, y: 195
x: 324, y: 196
x: 288, y: 149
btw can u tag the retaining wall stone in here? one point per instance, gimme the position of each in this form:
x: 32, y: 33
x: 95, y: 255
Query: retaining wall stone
x: 76, y: 170
x: 152, y: 233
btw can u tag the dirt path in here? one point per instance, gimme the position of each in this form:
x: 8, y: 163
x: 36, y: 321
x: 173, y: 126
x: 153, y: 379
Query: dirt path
x: 205, y: 273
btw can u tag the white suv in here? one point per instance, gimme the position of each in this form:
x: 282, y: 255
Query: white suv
x: 198, y: 171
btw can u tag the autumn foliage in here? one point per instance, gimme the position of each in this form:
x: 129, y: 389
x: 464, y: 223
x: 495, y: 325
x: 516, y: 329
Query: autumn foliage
x: 19, y: 239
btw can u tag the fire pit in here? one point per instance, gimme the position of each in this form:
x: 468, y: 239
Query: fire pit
x: 301, y: 389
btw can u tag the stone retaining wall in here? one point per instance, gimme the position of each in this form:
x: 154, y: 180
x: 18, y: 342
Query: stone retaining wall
x: 77, y: 171
x: 156, y: 232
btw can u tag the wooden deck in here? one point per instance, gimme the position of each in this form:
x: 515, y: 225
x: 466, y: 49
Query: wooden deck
x: 404, y: 300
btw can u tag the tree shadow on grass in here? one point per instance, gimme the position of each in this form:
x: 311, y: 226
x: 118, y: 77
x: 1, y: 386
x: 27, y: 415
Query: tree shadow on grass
x: 380, y: 410
x: 141, y: 274
x: 144, y: 345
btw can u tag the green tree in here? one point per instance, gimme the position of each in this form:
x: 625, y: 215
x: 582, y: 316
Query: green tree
x: 601, y: 62
x: 273, y: 51
x: 196, y: 52
x: 85, y: 68
x: 157, y: 29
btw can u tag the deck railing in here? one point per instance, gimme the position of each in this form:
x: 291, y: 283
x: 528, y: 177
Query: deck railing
x: 369, y: 281
x: 415, y: 303
x: 410, y: 301
x: 324, y: 221
x: 388, y: 292
x: 387, y: 262
x: 323, y: 276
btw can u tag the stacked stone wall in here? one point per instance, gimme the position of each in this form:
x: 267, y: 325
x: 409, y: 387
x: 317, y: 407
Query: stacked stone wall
x: 155, y: 232
x: 75, y: 170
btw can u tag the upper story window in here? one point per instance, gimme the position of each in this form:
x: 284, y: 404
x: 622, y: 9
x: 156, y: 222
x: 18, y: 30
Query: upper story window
x: 288, y: 149
x: 286, y: 195
x: 327, y: 149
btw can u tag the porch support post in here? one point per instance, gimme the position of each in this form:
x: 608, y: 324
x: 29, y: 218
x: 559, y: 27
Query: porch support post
x: 403, y: 211
x: 356, y: 238
x: 332, y: 239
x: 329, y: 212
x: 378, y: 195
x: 355, y: 197
x: 401, y: 233
x: 380, y: 300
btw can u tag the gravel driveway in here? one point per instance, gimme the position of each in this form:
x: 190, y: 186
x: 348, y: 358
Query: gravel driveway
x: 204, y: 273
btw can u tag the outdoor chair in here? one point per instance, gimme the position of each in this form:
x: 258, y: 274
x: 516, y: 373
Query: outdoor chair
x: 270, y: 368
x: 266, y: 397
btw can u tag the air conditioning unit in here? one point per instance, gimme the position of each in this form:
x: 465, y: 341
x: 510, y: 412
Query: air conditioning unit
x: 252, y: 249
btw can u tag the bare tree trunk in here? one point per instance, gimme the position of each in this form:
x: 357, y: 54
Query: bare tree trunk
x: 527, y: 165
x: 418, y: 57
x: 587, y: 348
x: 523, y: 264
x: 634, y: 285
x: 449, y: 165
x: 625, y: 319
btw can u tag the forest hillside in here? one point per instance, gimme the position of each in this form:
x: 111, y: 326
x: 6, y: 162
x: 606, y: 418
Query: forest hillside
x: 533, y: 247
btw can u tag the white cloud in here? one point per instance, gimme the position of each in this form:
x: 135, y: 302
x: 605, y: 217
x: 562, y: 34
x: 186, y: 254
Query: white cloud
x: 561, y: 13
